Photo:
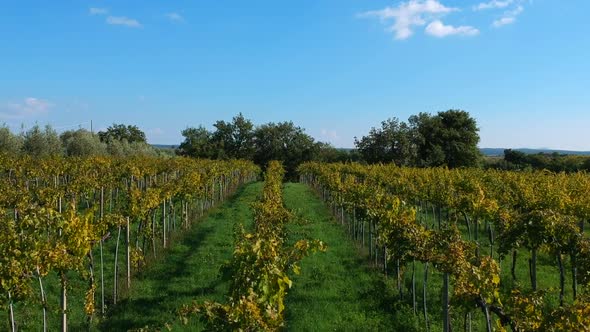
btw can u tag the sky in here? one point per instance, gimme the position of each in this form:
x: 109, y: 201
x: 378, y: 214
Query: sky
x: 337, y: 68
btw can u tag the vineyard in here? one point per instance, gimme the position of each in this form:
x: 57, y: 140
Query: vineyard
x: 467, y: 225
x: 462, y: 249
x: 75, y: 231
x: 396, y: 165
x: 259, y: 267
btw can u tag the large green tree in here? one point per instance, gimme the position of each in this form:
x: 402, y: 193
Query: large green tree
x: 234, y: 139
x: 121, y: 132
x: 126, y: 140
x: 285, y: 142
x: 393, y: 142
x: 448, y: 138
x: 429, y: 151
x: 229, y: 140
x: 197, y: 143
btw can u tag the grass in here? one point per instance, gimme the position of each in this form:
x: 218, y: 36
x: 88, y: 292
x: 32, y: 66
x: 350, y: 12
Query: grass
x: 188, y: 270
x: 339, y: 290
x: 336, y: 290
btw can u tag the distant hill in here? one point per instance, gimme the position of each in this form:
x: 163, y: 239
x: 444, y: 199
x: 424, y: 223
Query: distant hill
x: 500, y: 151
x: 164, y: 146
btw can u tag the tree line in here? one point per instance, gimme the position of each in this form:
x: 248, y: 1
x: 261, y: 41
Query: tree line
x: 447, y: 138
x: 241, y: 139
x: 555, y: 162
x: 117, y: 140
x: 444, y: 139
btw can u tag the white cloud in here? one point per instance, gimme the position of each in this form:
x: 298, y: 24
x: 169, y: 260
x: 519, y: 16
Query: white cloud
x: 509, y: 17
x: 440, y: 30
x: 27, y: 108
x: 34, y: 106
x: 517, y: 11
x: 175, y: 17
x: 503, y: 21
x: 408, y: 15
x: 494, y: 4
x: 122, y: 20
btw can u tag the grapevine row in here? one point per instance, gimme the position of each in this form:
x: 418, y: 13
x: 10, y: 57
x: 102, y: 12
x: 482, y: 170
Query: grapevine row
x: 260, y: 266
x: 414, y: 215
x: 58, y: 213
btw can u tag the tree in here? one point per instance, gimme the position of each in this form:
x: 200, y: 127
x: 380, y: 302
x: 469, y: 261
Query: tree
x: 243, y: 138
x: 9, y: 143
x: 515, y: 157
x: 197, y: 143
x: 121, y: 132
x: 447, y: 139
x: 42, y: 143
x: 230, y: 140
x: 82, y: 142
x: 126, y: 141
x: 393, y: 142
x: 285, y: 142
x: 429, y: 151
x: 125, y: 149
x: 234, y: 139
x: 460, y: 138
x: 239, y: 139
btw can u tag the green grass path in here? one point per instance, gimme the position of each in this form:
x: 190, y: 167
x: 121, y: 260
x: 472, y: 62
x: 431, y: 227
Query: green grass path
x: 189, y: 271
x: 337, y: 290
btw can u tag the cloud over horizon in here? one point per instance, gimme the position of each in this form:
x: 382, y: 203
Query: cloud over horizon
x: 122, y: 20
x: 494, y: 4
x: 509, y: 17
x: 28, y: 107
x: 403, y: 19
x: 408, y: 15
x: 439, y: 29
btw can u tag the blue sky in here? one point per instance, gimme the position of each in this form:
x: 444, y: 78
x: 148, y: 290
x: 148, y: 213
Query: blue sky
x: 334, y: 67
